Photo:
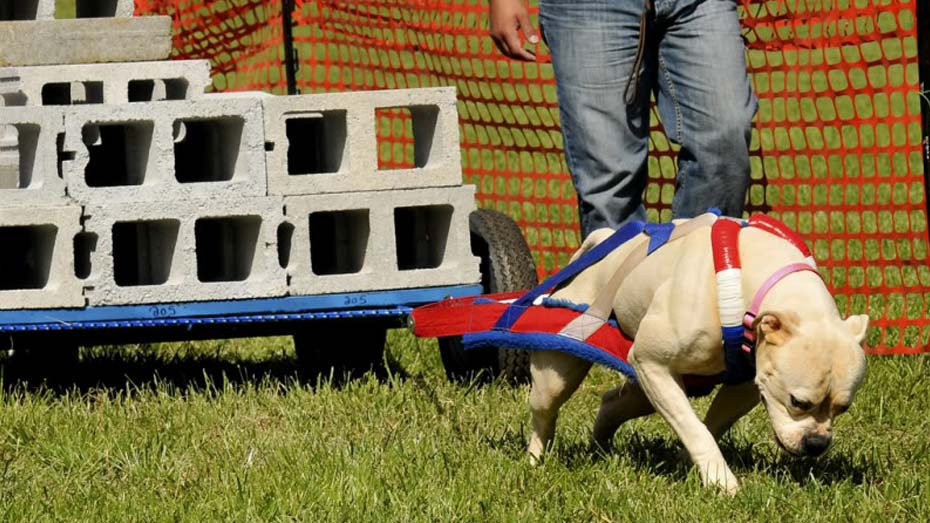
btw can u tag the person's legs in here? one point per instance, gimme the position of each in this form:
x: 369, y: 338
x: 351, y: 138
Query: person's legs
x: 593, y: 45
x: 706, y: 104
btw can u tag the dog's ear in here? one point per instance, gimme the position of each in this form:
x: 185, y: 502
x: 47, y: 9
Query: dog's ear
x: 774, y: 327
x: 858, y: 326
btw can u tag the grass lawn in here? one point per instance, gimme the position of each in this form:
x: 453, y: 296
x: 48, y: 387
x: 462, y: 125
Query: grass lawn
x: 225, y: 431
x: 230, y: 431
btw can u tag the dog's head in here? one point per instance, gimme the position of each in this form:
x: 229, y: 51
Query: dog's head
x: 808, y: 373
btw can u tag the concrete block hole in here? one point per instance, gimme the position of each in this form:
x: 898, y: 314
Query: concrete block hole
x: 421, y: 234
x: 207, y: 150
x: 18, y: 144
x: 157, y: 90
x: 13, y: 99
x: 95, y: 8
x: 339, y: 241
x: 18, y: 10
x: 406, y: 136
x: 226, y: 247
x: 61, y: 9
x: 86, y: 8
x: 72, y: 93
x: 316, y: 142
x: 61, y: 155
x: 119, y: 153
x: 85, y: 243
x: 27, y: 259
x: 285, y: 239
x: 143, y: 252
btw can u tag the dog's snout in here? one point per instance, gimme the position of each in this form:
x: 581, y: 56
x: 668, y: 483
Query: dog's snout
x: 814, y: 444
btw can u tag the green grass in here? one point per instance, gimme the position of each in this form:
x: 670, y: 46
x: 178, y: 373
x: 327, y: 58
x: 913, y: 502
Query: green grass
x: 226, y: 431
x: 229, y: 431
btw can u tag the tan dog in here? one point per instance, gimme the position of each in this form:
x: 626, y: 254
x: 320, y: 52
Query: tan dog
x: 809, y: 361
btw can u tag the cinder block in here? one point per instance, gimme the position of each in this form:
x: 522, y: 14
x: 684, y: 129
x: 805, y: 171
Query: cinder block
x: 85, y: 40
x: 177, y: 251
x: 324, y: 143
x: 29, y: 155
x: 37, y: 268
x: 194, y: 149
x: 365, y: 241
x: 116, y: 83
x: 45, y: 9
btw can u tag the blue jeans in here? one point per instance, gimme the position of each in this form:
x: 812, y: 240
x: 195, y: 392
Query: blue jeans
x: 694, y: 62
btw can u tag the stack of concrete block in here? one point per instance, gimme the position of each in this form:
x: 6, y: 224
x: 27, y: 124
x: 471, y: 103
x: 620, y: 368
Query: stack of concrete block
x: 358, y: 227
x: 122, y: 182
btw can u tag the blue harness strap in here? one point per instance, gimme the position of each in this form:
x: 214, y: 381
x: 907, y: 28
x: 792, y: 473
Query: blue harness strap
x: 541, y: 341
x: 597, y: 253
x: 658, y: 233
x: 740, y: 367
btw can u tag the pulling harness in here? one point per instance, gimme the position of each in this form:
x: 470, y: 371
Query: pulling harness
x: 531, y: 320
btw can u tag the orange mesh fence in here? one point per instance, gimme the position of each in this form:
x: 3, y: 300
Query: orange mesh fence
x: 836, y: 152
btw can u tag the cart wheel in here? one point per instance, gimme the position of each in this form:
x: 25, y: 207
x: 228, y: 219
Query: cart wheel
x: 506, y: 265
x: 340, y: 348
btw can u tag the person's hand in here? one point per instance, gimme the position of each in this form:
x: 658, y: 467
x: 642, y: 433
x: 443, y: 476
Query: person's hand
x: 508, y: 19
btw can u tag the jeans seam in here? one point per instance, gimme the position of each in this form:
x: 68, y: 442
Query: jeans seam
x: 680, y: 180
x: 674, y: 96
x: 569, y: 161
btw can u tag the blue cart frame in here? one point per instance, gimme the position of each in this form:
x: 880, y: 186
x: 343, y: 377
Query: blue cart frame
x: 217, y: 319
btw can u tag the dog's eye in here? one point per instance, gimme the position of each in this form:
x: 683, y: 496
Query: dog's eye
x: 840, y: 409
x: 800, y: 404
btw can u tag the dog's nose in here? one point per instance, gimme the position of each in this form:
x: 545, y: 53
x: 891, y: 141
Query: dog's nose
x: 815, y: 444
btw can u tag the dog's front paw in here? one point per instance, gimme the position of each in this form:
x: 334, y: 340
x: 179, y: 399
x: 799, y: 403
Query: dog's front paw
x: 720, y: 476
x: 536, y: 450
x: 535, y: 460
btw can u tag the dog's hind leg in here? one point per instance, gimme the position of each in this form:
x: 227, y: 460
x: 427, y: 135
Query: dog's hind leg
x: 731, y: 403
x: 556, y: 376
x: 619, y: 405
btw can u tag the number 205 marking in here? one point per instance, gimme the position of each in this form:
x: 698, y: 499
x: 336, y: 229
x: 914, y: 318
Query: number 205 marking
x: 355, y: 300
x: 166, y: 311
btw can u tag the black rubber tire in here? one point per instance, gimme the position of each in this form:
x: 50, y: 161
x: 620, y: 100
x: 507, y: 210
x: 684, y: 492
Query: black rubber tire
x: 341, y: 349
x: 506, y: 265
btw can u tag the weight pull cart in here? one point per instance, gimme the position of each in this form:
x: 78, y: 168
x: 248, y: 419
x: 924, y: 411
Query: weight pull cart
x: 358, y: 320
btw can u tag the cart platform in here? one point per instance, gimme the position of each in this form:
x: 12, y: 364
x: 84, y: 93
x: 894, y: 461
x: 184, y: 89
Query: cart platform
x: 393, y: 304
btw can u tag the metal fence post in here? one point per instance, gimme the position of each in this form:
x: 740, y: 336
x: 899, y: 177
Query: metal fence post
x: 923, y: 63
x: 290, y: 55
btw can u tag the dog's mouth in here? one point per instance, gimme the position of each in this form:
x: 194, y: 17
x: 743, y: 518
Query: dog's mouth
x: 783, y: 447
x: 775, y: 433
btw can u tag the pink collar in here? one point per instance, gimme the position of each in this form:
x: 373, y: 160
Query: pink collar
x: 750, y: 317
